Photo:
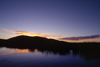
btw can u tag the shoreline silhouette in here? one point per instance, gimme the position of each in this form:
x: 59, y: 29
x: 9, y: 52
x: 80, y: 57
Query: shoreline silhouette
x: 87, y: 50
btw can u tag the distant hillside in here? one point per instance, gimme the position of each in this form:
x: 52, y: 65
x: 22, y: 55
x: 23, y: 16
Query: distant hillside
x: 41, y: 42
x: 2, y: 41
x: 33, y: 40
x: 87, y: 50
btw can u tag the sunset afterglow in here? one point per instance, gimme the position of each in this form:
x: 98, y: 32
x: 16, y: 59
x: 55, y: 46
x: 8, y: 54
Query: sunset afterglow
x: 49, y: 33
x: 74, y: 20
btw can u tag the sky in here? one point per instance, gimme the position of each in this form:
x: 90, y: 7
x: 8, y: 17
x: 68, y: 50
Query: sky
x: 69, y: 20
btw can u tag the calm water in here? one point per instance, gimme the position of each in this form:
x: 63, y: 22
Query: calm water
x: 11, y: 57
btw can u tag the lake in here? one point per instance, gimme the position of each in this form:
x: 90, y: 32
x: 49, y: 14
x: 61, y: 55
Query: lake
x: 14, y: 57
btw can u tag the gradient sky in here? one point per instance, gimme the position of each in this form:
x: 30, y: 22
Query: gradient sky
x: 69, y: 18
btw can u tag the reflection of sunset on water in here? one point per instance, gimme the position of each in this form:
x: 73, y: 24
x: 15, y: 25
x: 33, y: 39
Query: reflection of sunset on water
x: 20, y: 51
x: 35, y: 50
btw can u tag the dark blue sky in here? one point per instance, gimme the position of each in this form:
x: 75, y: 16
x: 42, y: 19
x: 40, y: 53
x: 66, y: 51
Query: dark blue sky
x: 68, y: 18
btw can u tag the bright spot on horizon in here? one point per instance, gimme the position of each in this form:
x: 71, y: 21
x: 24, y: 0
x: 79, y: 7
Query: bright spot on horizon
x: 58, y: 18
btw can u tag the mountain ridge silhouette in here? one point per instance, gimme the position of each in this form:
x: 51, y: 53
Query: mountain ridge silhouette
x: 55, y: 46
x: 31, y: 42
x: 36, y: 41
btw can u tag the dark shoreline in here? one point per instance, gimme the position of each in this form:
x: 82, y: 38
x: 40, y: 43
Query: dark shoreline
x: 87, y: 50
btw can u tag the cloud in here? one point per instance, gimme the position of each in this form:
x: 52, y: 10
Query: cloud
x: 52, y: 36
x: 80, y: 38
x: 32, y: 34
x: 8, y: 30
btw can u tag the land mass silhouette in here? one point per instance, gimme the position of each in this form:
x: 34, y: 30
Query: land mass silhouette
x: 88, y: 50
x: 41, y: 42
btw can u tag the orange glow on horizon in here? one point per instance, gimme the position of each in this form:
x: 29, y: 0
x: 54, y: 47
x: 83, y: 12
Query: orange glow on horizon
x: 82, y: 41
x: 32, y: 34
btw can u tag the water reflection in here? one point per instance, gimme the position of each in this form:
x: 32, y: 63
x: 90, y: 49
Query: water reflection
x: 87, y: 55
x: 55, y: 58
x: 16, y: 51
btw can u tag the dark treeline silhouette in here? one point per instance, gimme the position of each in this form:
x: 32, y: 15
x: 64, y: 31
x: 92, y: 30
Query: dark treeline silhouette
x: 90, y: 51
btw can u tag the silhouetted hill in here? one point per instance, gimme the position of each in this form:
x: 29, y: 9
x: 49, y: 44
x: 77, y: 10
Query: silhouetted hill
x: 32, y: 39
x: 85, y: 49
x: 26, y: 41
x: 36, y: 40
x: 33, y: 42
x: 2, y: 41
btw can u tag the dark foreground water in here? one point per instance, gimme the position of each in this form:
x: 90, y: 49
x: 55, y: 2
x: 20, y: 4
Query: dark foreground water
x: 11, y: 57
